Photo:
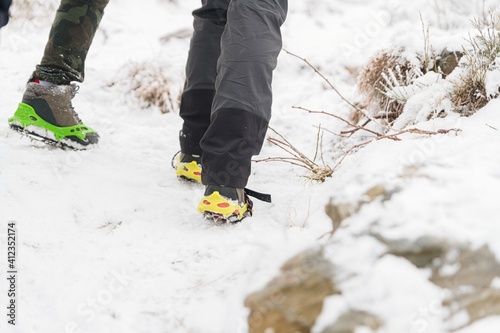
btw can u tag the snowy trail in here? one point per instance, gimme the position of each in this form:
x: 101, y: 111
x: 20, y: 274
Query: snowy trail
x: 110, y: 240
x: 83, y: 215
x: 120, y: 208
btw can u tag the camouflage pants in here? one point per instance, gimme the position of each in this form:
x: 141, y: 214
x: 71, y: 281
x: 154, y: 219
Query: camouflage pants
x: 72, y: 32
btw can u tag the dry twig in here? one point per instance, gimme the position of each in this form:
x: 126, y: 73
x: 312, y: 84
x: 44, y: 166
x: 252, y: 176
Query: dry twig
x: 321, y: 172
x: 339, y: 118
x: 316, y: 172
x: 328, y: 82
x: 394, y: 136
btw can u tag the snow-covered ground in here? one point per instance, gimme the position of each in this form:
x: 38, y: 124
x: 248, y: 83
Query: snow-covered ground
x: 110, y: 241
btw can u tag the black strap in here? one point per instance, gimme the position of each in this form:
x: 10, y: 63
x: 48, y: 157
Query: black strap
x: 258, y: 196
x: 172, y: 163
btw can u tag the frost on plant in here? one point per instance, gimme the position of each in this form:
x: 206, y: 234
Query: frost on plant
x: 475, y: 85
x: 406, y: 87
x: 382, y: 80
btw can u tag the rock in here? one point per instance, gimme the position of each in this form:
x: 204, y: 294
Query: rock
x: 476, y: 268
x: 338, y: 212
x: 448, y: 61
x: 350, y: 321
x: 291, y: 302
x: 470, y: 283
x: 421, y: 252
x: 467, y: 273
x: 377, y: 191
x: 478, y: 305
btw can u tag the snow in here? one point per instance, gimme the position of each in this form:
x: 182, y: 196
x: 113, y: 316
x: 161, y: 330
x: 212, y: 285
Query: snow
x: 492, y: 82
x: 110, y: 240
x: 489, y: 325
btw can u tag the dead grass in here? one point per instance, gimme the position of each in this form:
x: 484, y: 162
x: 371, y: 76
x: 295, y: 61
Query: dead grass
x: 377, y: 81
x: 152, y: 87
x: 31, y: 11
x: 469, y: 93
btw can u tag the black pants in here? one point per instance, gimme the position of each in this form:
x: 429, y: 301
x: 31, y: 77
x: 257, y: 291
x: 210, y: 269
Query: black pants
x: 226, y: 104
x: 4, y: 12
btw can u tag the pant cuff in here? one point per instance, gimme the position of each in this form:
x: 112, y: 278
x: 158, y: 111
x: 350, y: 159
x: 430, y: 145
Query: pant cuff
x: 233, y: 137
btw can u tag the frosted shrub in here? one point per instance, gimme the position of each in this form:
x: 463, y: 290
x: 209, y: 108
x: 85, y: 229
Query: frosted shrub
x: 406, y: 87
x: 380, y: 80
x: 481, y: 60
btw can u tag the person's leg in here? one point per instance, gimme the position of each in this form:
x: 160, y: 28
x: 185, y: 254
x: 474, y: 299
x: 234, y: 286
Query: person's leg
x: 199, y: 89
x: 70, y: 38
x: 4, y: 12
x: 241, y: 108
x: 46, y: 111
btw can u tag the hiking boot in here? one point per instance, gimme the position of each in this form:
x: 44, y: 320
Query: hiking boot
x: 46, y: 114
x: 189, y: 167
x: 225, y: 204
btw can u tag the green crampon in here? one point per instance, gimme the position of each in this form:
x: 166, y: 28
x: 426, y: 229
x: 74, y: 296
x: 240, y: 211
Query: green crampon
x: 26, y: 116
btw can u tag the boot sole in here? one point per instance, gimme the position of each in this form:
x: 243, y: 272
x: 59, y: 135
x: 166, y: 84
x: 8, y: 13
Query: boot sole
x: 221, y: 219
x: 66, y: 144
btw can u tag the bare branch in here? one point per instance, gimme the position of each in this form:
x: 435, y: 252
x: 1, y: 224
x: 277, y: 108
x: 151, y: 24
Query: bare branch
x: 496, y: 129
x: 351, y: 132
x: 393, y: 136
x: 292, y: 147
x: 316, y: 172
x: 289, y: 160
x: 318, y: 137
x: 333, y: 87
x: 325, y: 79
x: 339, y: 118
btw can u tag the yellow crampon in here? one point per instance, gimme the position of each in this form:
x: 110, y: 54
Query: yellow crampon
x: 217, y: 207
x: 190, y: 171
